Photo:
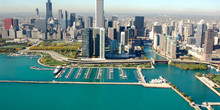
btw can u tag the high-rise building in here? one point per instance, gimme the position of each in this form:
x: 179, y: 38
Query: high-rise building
x: 49, y: 12
x: 156, y: 41
x: 87, y: 43
x: 120, y: 29
x: 33, y: 20
x: 96, y: 42
x: 16, y: 24
x: 41, y: 24
x: 114, y: 18
x: 37, y: 14
x: 72, y: 18
x: 208, y: 45
x: 60, y: 15
x: 139, y: 24
x: 99, y: 15
x: 200, y: 34
x: 109, y: 24
x: 8, y: 22
x: 122, y: 43
x: 188, y: 31
x: 89, y: 22
x: 131, y: 33
x: 112, y: 33
x: 102, y: 43
x: 114, y: 46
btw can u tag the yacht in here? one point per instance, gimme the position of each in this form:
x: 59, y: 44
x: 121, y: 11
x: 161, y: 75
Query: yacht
x: 57, y: 70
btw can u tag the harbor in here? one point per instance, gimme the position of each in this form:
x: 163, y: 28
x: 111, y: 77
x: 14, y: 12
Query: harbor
x: 134, y: 79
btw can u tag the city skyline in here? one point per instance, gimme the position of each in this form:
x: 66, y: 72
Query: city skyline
x: 113, y: 6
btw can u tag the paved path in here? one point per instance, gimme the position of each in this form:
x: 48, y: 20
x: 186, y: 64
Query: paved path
x: 208, y: 83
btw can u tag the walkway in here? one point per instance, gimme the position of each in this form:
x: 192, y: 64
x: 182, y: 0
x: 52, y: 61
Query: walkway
x: 208, y: 83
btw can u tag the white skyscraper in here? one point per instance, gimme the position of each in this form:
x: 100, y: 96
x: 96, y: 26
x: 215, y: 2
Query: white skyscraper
x: 122, y: 43
x: 102, y: 43
x: 99, y: 15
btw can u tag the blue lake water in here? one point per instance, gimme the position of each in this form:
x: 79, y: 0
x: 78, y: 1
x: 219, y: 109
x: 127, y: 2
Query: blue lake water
x: 97, y: 97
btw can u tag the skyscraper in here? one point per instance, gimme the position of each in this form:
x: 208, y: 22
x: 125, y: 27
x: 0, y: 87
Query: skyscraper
x: 37, y: 14
x: 72, y: 18
x: 208, y: 45
x: 16, y: 24
x: 96, y: 42
x: 200, y: 34
x: 87, y: 43
x: 102, y: 43
x: 49, y: 12
x: 122, y: 43
x: 60, y: 15
x: 139, y: 24
x: 8, y: 22
x: 112, y: 34
x: 89, y: 22
x: 99, y: 15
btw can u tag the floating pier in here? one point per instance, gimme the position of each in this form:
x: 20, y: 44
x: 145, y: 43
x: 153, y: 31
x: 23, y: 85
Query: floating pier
x: 78, y: 74
x: 70, y: 73
x: 88, y: 73
x: 110, y: 74
x: 122, y: 74
x: 99, y: 74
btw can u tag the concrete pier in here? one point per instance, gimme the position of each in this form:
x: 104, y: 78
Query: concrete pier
x: 205, y: 81
x: 101, y: 83
x: 142, y: 79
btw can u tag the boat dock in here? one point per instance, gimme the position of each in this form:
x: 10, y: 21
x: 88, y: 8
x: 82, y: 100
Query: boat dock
x: 78, y: 74
x: 60, y: 74
x: 122, y: 74
x: 70, y: 73
x: 99, y: 74
x: 110, y: 74
x: 88, y: 73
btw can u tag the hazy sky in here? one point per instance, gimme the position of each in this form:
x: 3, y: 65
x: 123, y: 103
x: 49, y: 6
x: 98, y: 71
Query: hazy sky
x: 211, y: 7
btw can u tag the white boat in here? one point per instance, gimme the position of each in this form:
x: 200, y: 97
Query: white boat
x: 57, y: 70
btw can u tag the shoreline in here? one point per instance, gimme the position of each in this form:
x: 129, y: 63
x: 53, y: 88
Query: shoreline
x: 208, y: 85
x: 190, y: 103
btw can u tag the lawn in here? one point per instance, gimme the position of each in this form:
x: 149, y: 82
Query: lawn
x: 216, y: 79
x: 13, y: 47
x: 48, y: 60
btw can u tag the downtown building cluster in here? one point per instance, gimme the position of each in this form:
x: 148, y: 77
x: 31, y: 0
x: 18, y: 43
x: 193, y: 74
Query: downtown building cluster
x: 179, y: 40
x: 96, y: 33
x: 111, y: 38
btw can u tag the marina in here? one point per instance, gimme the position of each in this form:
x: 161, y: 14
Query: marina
x: 171, y: 73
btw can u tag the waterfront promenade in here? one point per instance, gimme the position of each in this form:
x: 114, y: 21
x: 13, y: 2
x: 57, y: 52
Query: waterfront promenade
x: 147, y: 85
x: 208, y: 83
